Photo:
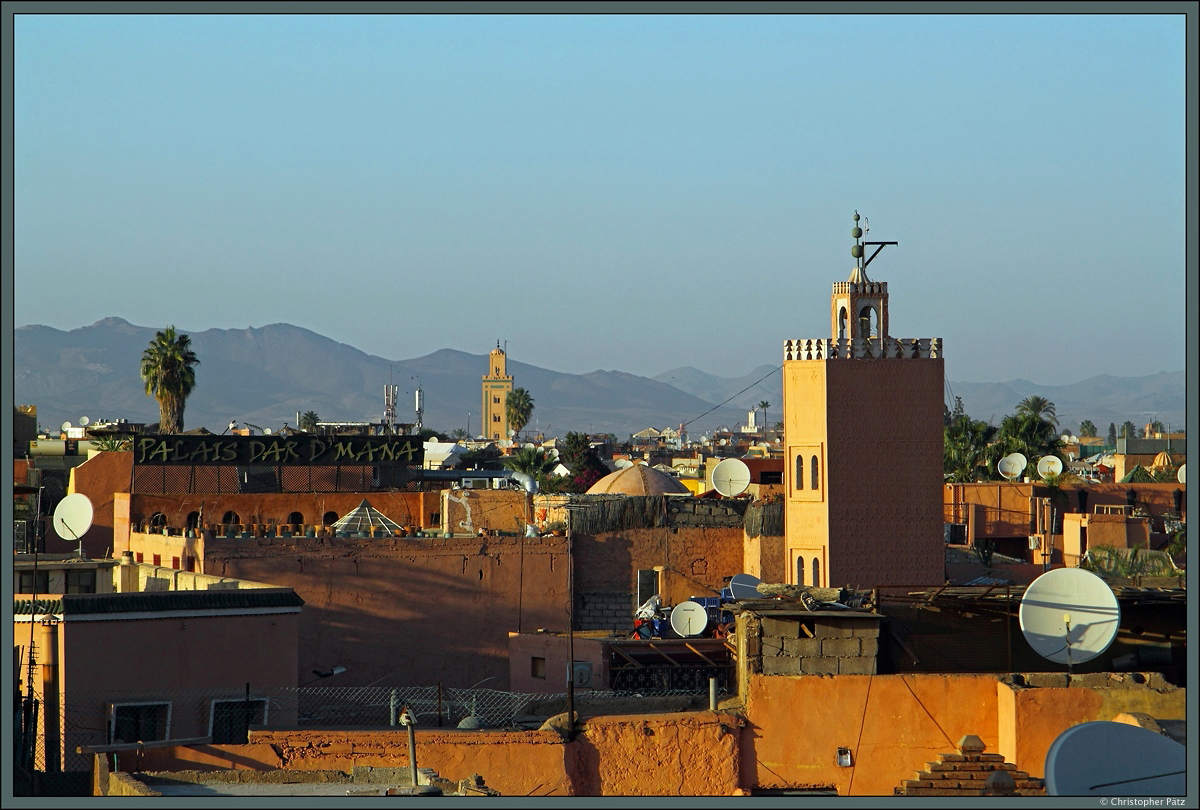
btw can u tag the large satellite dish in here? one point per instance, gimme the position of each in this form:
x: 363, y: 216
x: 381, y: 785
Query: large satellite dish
x: 744, y: 586
x: 65, y: 426
x: 1049, y: 465
x: 689, y: 619
x: 84, y: 421
x: 1012, y: 465
x: 622, y: 464
x: 1180, y: 476
x: 1114, y: 759
x: 73, y: 516
x: 1069, y: 615
x: 731, y: 477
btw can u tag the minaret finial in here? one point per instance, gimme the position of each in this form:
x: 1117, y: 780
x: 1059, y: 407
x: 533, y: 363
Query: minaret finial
x: 858, y: 273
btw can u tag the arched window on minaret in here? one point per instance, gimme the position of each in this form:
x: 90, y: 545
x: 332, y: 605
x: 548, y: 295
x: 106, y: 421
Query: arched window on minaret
x: 816, y: 479
x: 816, y: 577
x: 799, y: 478
x: 843, y: 324
x: 800, y: 570
x: 868, y: 322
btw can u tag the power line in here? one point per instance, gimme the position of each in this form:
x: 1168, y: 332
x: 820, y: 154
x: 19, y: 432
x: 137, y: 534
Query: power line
x: 738, y: 394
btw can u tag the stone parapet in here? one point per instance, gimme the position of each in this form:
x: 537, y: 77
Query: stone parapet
x: 863, y: 349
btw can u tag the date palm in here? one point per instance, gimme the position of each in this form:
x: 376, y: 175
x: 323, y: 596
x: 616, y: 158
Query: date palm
x: 167, y: 370
x: 1040, y: 407
x: 518, y: 408
x: 762, y: 406
x: 308, y: 421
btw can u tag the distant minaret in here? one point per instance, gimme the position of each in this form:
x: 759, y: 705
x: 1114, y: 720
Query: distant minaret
x: 497, y: 384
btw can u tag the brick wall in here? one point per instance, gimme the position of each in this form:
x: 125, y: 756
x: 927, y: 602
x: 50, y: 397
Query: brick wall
x: 814, y: 644
x: 971, y: 772
x: 599, y: 610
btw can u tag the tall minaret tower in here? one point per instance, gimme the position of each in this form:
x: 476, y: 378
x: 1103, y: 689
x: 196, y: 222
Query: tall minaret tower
x: 862, y: 416
x: 497, y: 384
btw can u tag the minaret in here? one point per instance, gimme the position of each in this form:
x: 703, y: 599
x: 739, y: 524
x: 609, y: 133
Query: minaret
x: 863, y: 436
x: 496, y: 387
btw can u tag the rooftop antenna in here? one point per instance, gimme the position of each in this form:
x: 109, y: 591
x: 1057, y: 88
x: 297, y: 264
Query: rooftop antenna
x: 389, y: 406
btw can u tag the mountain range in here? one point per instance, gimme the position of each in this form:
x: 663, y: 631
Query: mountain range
x: 265, y: 376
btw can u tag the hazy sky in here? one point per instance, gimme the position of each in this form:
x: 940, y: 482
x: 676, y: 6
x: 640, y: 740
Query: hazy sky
x: 619, y: 192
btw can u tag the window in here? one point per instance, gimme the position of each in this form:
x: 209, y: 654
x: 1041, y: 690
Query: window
x: 157, y: 559
x: 435, y: 518
x: 799, y: 472
x: 295, y: 518
x: 647, y: 585
x: 799, y: 570
x: 816, y: 479
x: 138, y: 555
x: 768, y: 477
x: 816, y: 579
x: 495, y: 400
x: 81, y: 581
x: 537, y: 668
x: 38, y: 584
x: 158, y: 520
x: 139, y: 722
x: 329, y: 518
x: 189, y: 563
x: 495, y: 417
x: 231, y: 518
x: 193, y: 520
x: 842, y: 323
x: 175, y: 563
x: 231, y: 720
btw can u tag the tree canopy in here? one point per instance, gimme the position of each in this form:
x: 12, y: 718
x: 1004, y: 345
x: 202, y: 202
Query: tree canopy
x: 518, y: 408
x: 169, y: 374
x: 1087, y: 429
x: 308, y: 421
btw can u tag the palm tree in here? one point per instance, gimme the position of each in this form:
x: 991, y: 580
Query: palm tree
x: 518, y: 408
x: 762, y: 406
x: 533, y: 461
x: 1040, y: 407
x: 1028, y: 434
x: 969, y: 450
x: 167, y: 371
x: 1087, y: 428
x: 458, y: 434
x: 308, y: 421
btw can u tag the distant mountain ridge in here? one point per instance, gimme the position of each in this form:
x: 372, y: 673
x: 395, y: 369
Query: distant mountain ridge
x: 266, y: 375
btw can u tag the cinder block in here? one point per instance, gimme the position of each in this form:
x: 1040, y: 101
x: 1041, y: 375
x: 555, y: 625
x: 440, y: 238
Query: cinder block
x: 781, y: 665
x: 782, y: 628
x: 833, y: 628
x: 866, y: 629
x: 802, y: 647
x: 772, y: 646
x: 840, y: 647
x: 856, y: 666
x: 869, y: 647
x: 818, y: 666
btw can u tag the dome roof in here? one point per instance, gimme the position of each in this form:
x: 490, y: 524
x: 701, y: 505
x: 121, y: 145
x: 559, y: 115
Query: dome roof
x: 638, y: 480
x: 1163, y: 459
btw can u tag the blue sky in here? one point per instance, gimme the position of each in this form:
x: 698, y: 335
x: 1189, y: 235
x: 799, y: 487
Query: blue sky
x: 620, y: 192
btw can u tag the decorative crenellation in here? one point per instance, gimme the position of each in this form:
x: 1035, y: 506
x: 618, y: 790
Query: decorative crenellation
x: 863, y: 349
x: 862, y: 288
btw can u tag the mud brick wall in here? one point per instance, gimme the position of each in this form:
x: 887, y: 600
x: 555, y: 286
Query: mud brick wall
x: 817, y: 644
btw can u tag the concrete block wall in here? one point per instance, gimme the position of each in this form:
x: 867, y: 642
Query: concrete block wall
x: 797, y: 645
x: 705, y: 512
x: 604, y: 610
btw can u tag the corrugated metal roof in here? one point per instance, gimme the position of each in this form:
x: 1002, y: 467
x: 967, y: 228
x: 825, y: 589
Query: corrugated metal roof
x: 79, y: 604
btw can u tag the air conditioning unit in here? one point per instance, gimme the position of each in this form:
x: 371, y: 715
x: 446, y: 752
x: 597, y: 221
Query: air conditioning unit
x: 475, y: 483
x: 1035, y: 542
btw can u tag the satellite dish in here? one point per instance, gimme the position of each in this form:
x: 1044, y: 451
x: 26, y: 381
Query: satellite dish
x: 1180, y: 476
x: 622, y: 464
x: 266, y: 431
x: 731, y: 477
x: 84, y: 421
x: 1049, y: 465
x: 1104, y: 758
x: 1069, y: 615
x: 1012, y: 465
x: 65, y: 426
x: 689, y: 619
x: 529, y: 446
x: 744, y: 586
x: 73, y: 516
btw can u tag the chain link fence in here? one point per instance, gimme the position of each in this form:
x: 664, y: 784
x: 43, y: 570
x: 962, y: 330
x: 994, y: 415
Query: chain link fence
x: 47, y: 734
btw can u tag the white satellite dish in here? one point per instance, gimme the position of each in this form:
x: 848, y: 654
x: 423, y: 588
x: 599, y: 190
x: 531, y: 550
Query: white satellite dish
x: 65, y: 426
x: 1012, y: 465
x: 84, y: 421
x: 744, y: 586
x: 622, y: 464
x: 266, y: 431
x: 1069, y: 615
x: 73, y: 516
x: 1180, y: 476
x: 1104, y: 758
x: 1049, y: 465
x: 689, y: 619
x: 529, y: 446
x: 731, y: 477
